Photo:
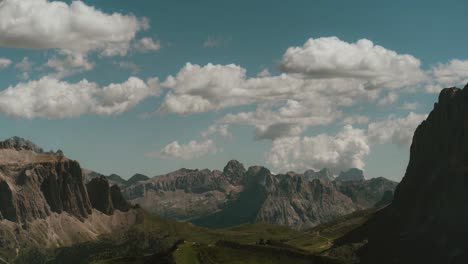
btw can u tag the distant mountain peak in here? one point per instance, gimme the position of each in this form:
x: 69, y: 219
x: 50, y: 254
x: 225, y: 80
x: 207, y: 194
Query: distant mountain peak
x: 353, y: 174
x: 137, y: 177
x: 234, y: 171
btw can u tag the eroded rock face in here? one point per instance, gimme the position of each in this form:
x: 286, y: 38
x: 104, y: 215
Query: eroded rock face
x: 426, y: 222
x: 100, y: 195
x: 118, y: 200
x: 353, y: 174
x: 234, y: 171
x: 44, y: 202
x: 18, y: 143
x: 31, y: 190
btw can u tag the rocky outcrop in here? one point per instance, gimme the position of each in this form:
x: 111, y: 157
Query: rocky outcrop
x: 106, y: 198
x: 100, y: 195
x: 118, y: 200
x: 352, y: 174
x: 36, y: 185
x: 323, y: 174
x: 234, y: 172
x: 18, y: 143
x: 426, y: 222
x: 44, y: 201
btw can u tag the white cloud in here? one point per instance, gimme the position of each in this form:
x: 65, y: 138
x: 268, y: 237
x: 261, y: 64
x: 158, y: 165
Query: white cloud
x: 333, y: 58
x: 211, y: 87
x: 215, y: 42
x: 147, y: 44
x: 76, y: 27
x: 189, y: 151
x: 4, y: 63
x: 128, y: 65
x: 221, y: 130
x: 52, y: 98
x: 389, y: 99
x: 433, y: 88
x: 347, y: 149
x: 69, y: 64
x: 453, y: 73
x: 120, y: 97
x: 395, y: 130
x: 264, y: 73
x: 323, y: 76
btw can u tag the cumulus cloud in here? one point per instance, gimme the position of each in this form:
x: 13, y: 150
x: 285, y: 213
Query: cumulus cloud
x: 453, y: 73
x: 333, y: 58
x: 75, y: 27
x: 68, y: 64
x: 321, y: 78
x: 189, y: 151
x: 51, y: 98
x: 127, y: 65
x: 347, y: 149
x: 395, y: 130
x: 389, y: 99
x: 147, y: 44
x: 221, y: 130
x: 4, y: 63
x: 282, y: 101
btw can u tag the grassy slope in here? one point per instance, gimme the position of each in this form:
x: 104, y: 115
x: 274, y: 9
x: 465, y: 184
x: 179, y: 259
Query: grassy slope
x: 156, y: 238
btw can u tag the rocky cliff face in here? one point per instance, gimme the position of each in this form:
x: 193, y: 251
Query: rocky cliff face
x: 106, y: 198
x: 33, y: 185
x: 44, y: 191
x: 237, y: 196
x: 426, y: 222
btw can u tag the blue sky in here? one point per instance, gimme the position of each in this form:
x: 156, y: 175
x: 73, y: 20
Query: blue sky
x: 112, y: 132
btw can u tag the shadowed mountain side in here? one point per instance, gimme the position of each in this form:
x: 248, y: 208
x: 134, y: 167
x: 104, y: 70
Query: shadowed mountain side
x: 426, y: 222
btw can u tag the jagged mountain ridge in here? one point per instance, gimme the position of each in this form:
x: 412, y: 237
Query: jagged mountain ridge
x: 237, y: 195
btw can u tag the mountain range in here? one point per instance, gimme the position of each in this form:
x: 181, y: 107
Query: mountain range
x: 237, y: 195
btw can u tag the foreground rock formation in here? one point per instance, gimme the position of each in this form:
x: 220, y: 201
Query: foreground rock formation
x: 237, y: 195
x: 44, y: 200
x: 427, y: 220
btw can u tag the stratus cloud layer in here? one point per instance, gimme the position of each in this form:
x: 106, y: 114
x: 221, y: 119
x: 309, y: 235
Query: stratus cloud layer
x: 75, y: 27
x: 51, y: 98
